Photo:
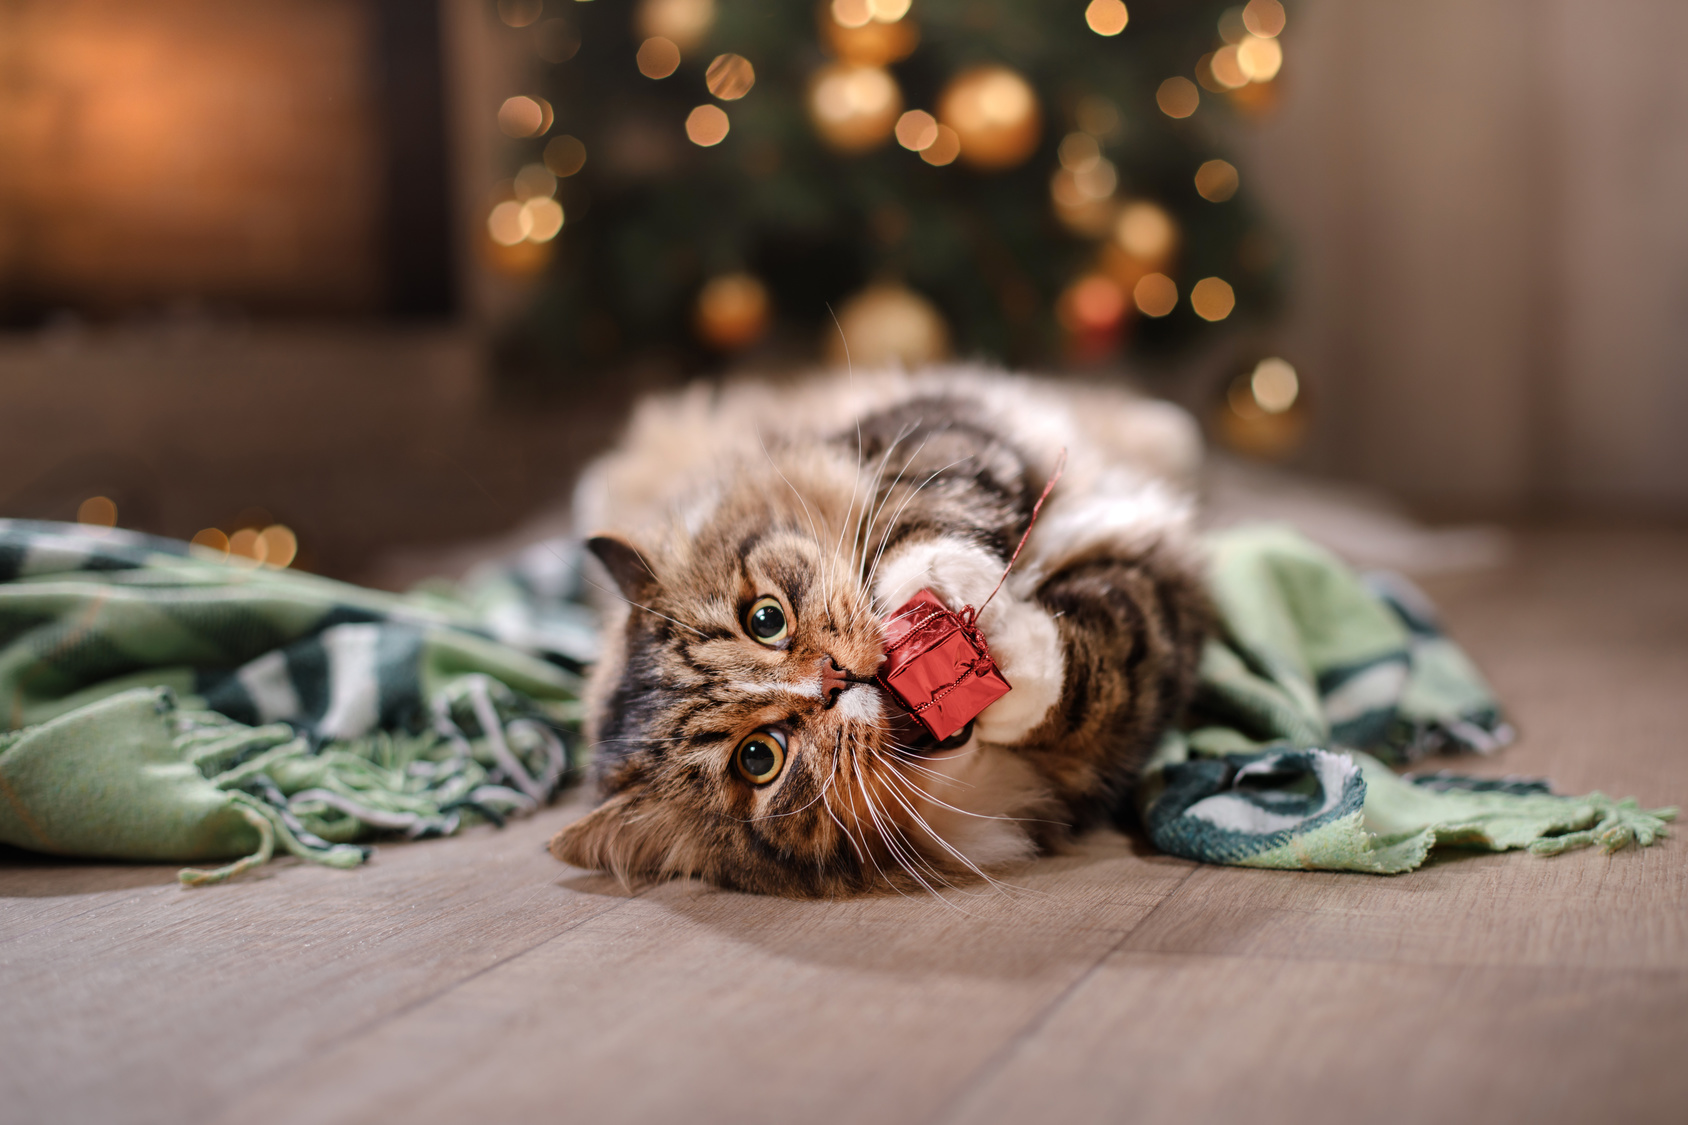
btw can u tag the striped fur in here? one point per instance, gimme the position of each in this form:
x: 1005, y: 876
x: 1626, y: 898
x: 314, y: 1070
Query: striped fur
x: 841, y: 498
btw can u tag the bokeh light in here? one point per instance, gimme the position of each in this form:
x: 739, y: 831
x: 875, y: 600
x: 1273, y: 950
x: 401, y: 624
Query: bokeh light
x: 684, y: 23
x: 658, y: 57
x: 732, y: 311
x: 544, y: 218
x: 1178, y: 97
x: 1092, y: 304
x: 522, y: 116
x: 851, y: 13
x: 535, y: 180
x: 1078, y: 151
x: 509, y: 222
x: 1155, y: 294
x: 916, y: 130
x: 248, y: 547
x: 1106, y: 17
x: 564, y: 156
x: 520, y: 13
x: 730, y: 77
x: 1274, y: 385
x: 1259, y: 58
x: 707, y: 125
x: 944, y: 149
x: 1217, y: 181
x: 1212, y: 298
x: 994, y: 112
x: 889, y: 11
x: 1145, y: 231
x: 97, y: 511
x: 1264, y: 18
x: 854, y: 107
x: 1227, y: 71
x: 279, y: 545
x: 211, y: 540
x: 1232, y: 28
x: 1097, y: 116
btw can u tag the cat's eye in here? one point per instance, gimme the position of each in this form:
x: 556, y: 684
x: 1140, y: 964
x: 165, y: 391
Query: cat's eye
x: 760, y: 757
x: 766, y: 621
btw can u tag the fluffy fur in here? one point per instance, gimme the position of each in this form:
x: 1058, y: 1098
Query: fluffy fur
x: 840, y: 498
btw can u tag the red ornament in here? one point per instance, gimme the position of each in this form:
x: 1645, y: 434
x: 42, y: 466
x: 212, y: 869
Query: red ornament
x: 938, y: 665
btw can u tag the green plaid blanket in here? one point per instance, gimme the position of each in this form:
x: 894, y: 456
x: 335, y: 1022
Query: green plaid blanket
x: 161, y: 705
x: 1314, y: 667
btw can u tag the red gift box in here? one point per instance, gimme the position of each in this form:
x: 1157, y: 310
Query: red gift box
x: 938, y: 665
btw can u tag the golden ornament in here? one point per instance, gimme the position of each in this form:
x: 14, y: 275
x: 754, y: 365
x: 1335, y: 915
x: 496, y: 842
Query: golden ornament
x: 994, y: 112
x: 888, y: 323
x: 732, y: 311
x: 854, y: 108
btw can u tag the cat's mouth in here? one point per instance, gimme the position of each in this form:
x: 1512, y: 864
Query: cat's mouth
x: 909, y: 734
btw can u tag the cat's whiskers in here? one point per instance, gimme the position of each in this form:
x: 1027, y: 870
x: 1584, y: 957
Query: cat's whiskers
x: 879, y: 507
x: 885, y: 539
x: 965, y: 861
x: 814, y: 531
x: 875, y: 502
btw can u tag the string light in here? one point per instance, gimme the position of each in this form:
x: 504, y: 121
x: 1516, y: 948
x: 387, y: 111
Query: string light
x: 994, y: 112
x: 944, y: 149
x: 520, y: 13
x: 1106, y: 17
x: 854, y: 107
x: 707, y: 125
x: 509, y: 223
x: 684, y: 23
x: 1264, y: 18
x: 1094, y: 303
x: 535, y: 180
x: 544, y: 218
x: 1227, y: 69
x: 1178, y: 97
x: 1212, y: 298
x: 1146, y: 232
x: 1275, y: 385
x: 916, y: 130
x: 1259, y: 59
x: 248, y: 547
x: 280, y: 546
x: 211, y: 540
x: 732, y: 311
x: 1097, y: 116
x: 889, y: 11
x: 1231, y: 25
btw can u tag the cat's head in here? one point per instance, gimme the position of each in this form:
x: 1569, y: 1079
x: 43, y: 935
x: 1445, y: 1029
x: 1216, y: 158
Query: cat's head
x: 739, y: 735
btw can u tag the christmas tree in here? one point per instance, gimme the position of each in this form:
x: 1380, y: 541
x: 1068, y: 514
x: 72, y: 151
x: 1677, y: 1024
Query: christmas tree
x: 1034, y: 181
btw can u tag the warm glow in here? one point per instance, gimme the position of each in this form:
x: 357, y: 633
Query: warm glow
x: 1178, y: 97
x: 535, y: 181
x: 544, y: 218
x: 730, y: 77
x: 1094, y: 303
x: 1145, y: 231
x: 1259, y: 58
x: 248, y: 547
x: 509, y: 223
x: 1075, y: 189
x: 524, y: 117
x: 1226, y: 68
x: 1264, y: 18
x: 889, y: 11
x: 658, y: 57
x: 707, y: 125
x: 994, y: 112
x: 564, y: 156
x: 944, y: 149
x: 1078, y: 151
x: 1106, y: 17
x: 97, y: 511
x: 732, y: 311
x: 684, y: 23
x: 1274, y: 385
x: 280, y: 545
x: 1216, y: 181
x: 1155, y: 294
x: 851, y: 13
x: 520, y: 13
x: 211, y: 539
x: 854, y: 107
x: 917, y: 130
x: 1212, y: 298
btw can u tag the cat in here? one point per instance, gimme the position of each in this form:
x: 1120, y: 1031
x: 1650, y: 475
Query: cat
x: 758, y: 537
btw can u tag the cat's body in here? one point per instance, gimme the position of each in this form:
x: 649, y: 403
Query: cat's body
x: 765, y: 758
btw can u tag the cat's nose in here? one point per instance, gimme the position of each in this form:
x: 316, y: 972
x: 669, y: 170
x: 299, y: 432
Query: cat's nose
x: 834, y: 679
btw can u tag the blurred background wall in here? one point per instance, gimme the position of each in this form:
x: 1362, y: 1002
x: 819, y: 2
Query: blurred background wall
x: 244, y: 272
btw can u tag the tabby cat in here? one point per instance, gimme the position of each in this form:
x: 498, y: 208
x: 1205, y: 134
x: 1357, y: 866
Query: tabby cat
x: 759, y: 536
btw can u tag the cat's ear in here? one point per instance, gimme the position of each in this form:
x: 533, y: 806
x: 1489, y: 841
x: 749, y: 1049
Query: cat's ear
x: 629, y: 835
x: 633, y: 577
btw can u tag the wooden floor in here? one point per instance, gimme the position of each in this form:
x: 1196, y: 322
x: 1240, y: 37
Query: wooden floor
x: 476, y: 980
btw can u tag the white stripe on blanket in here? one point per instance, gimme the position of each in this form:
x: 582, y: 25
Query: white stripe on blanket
x: 353, y: 681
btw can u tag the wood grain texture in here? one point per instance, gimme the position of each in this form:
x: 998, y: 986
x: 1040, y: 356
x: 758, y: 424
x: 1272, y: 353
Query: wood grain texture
x: 474, y: 979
